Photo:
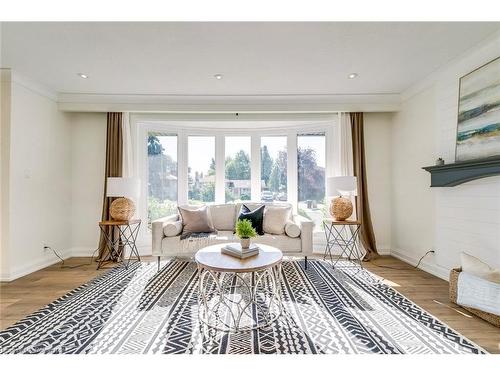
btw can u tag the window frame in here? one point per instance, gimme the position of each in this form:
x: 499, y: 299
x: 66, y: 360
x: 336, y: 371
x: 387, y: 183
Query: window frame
x: 210, y: 125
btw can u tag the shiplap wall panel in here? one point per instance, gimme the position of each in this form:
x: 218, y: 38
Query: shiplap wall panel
x: 468, y: 215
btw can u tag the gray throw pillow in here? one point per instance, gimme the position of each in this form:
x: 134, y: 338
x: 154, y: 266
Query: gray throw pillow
x: 195, y: 220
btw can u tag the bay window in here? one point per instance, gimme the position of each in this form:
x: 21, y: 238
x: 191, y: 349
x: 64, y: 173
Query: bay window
x: 207, y: 163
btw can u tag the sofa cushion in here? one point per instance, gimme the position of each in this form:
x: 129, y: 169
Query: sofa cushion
x: 292, y: 229
x: 256, y: 217
x: 275, y: 219
x: 222, y: 216
x: 195, y: 220
x: 173, y: 228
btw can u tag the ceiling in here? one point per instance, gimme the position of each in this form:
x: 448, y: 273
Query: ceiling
x: 254, y: 58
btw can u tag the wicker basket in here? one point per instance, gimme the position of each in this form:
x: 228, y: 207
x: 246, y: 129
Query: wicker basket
x: 491, y: 318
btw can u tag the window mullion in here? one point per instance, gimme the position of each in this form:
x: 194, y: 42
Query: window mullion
x: 182, y: 167
x: 220, y: 190
x: 292, y: 177
x: 255, y: 168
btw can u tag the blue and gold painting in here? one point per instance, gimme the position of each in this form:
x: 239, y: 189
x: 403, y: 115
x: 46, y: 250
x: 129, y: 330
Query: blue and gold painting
x: 478, y: 128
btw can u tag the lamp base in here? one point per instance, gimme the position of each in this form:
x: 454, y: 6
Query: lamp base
x: 341, y: 208
x: 122, y: 209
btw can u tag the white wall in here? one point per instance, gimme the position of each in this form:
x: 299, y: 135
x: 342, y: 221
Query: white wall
x: 378, y: 127
x: 39, y: 180
x: 5, y: 96
x: 88, y: 152
x: 448, y: 220
x: 413, y: 212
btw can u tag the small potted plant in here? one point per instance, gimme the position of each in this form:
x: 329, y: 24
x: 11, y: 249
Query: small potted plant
x: 245, y: 231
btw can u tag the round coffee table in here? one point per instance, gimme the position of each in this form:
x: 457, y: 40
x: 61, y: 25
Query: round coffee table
x: 239, y: 294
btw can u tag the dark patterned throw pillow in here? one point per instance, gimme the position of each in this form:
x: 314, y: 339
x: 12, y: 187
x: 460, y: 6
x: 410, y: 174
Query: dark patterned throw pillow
x: 256, y: 217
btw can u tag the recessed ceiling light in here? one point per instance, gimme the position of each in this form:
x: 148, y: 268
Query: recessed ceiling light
x: 81, y: 75
x: 352, y: 75
x: 218, y: 76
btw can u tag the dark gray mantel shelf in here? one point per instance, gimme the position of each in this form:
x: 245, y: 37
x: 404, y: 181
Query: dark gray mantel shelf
x: 458, y: 173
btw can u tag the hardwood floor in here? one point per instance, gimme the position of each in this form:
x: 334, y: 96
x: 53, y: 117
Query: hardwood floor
x: 27, y: 294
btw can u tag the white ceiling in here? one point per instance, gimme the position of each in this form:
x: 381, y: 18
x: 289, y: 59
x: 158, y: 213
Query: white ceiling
x: 255, y: 58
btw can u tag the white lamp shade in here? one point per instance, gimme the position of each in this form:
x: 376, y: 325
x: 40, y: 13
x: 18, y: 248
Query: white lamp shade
x: 123, y: 187
x: 341, y: 185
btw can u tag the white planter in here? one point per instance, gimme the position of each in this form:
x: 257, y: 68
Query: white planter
x: 245, y: 243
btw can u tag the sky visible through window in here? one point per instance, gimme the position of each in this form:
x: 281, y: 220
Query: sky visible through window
x: 315, y: 142
x: 235, y: 144
x: 169, y: 144
x: 201, y: 150
x: 199, y: 160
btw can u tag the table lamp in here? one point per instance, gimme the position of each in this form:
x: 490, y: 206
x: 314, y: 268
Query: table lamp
x: 123, y: 208
x: 341, y: 207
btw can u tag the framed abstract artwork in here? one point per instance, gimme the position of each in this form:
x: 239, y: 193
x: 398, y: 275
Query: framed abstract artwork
x: 478, y: 126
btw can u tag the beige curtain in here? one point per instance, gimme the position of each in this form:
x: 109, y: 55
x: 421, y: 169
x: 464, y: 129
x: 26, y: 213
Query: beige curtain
x: 114, y: 162
x: 128, y: 155
x: 362, y: 206
x: 345, y: 145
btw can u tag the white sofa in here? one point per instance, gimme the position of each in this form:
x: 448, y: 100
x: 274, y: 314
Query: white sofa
x: 167, y: 240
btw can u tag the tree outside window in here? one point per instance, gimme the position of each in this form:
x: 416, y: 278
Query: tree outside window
x: 162, y: 175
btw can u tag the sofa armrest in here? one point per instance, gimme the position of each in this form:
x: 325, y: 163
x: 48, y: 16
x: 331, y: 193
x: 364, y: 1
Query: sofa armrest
x: 157, y: 231
x: 306, y: 233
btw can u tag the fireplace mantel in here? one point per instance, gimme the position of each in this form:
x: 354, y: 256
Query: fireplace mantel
x: 457, y: 173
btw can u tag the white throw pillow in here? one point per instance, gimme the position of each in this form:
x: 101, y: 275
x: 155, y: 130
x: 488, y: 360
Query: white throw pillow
x: 173, y: 228
x: 292, y: 229
x: 275, y: 219
x: 222, y: 216
x: 477, y: 267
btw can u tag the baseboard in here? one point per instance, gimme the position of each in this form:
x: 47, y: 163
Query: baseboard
x: 321, y: 250
x: 432, y: 268
x: 36, y: 265
x: 82, y: 251
x: 145, y: 250
x: 384, y: 250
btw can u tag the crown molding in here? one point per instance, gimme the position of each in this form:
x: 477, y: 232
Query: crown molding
x: 229, y: 103
x: 33, y: 86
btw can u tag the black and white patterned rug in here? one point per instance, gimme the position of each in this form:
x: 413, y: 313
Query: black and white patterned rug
x: 140, y: 310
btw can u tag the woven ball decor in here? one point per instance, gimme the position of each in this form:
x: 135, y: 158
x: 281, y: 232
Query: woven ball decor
x: 341, y: 208
x: 122, y: 209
